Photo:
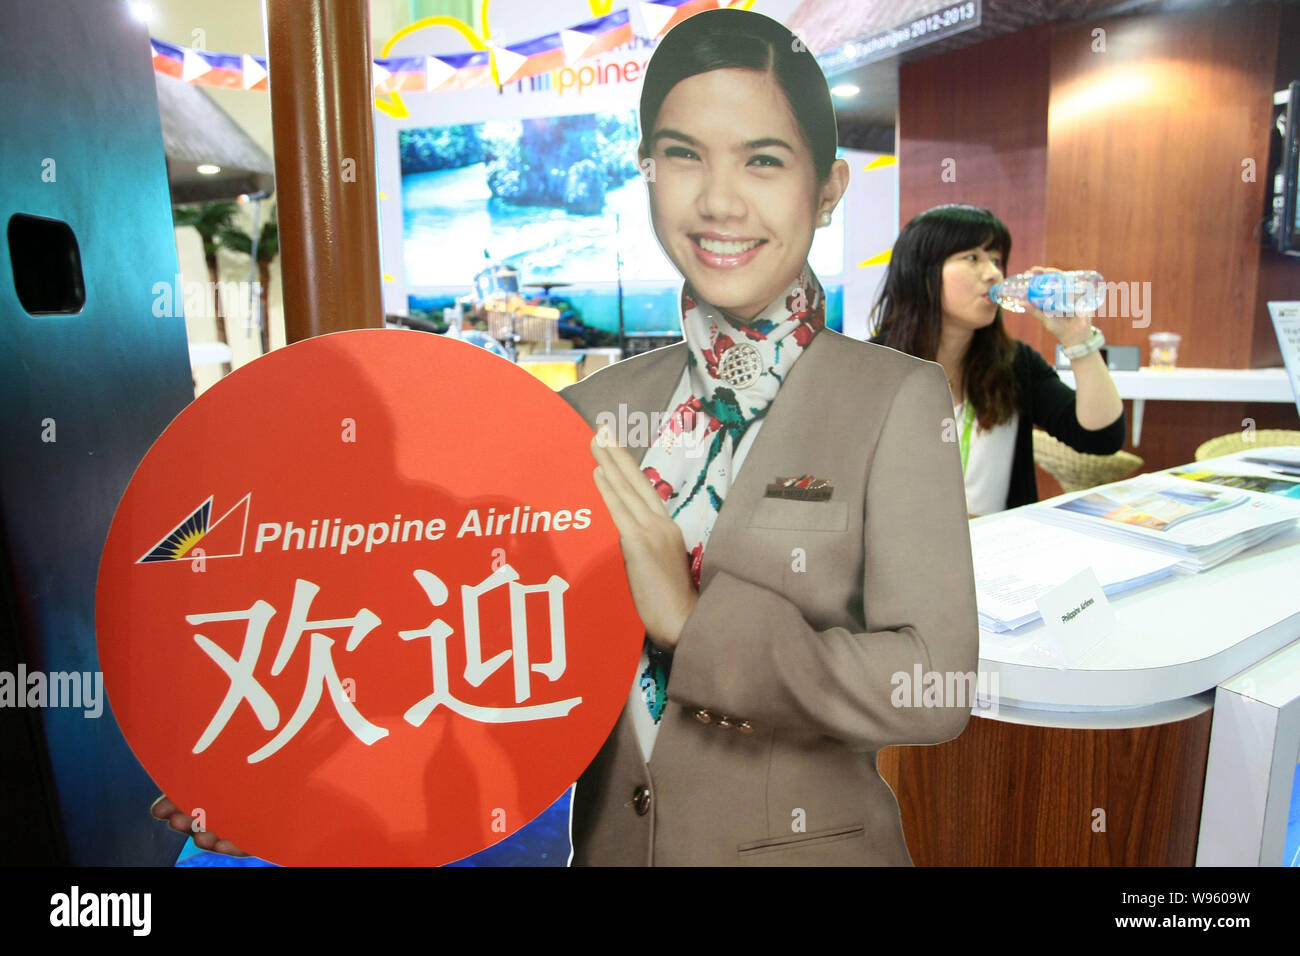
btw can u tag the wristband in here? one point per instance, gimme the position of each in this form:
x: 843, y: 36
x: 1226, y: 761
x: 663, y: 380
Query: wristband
x: 1095, y: 341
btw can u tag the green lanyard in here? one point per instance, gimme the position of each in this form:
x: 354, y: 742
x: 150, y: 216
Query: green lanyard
x: 965, y: 434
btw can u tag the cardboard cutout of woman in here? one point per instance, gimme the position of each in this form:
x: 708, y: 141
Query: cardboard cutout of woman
x: 794, y: 528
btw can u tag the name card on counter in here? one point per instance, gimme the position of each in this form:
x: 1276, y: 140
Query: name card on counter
x: 1077, y: 619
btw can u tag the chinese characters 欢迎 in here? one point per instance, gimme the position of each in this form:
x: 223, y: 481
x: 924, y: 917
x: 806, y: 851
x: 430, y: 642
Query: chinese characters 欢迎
x: 322, y: 674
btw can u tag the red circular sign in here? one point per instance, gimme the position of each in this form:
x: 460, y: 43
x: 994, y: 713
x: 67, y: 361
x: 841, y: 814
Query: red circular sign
x: 361, y: 603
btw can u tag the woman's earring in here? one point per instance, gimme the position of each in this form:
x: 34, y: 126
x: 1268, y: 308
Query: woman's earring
x: 826, y: 219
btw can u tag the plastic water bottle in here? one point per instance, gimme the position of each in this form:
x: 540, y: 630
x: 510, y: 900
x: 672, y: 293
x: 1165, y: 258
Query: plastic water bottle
x: 1056, y: 293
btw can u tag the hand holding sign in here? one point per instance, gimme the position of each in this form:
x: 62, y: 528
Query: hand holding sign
x: 165, y: 810
x: 654, y: 551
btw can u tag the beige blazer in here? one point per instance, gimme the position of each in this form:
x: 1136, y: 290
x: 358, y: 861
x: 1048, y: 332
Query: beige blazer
x: 780, y: 692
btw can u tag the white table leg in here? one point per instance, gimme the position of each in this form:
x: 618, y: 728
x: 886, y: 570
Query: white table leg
x: 1254, y: 740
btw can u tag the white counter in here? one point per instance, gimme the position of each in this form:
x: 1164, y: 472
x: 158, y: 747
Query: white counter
x: 1177, y: 640
x: 1196, y: 385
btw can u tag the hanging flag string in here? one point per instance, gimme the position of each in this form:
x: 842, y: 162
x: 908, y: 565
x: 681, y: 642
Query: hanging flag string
x: 492, y: 66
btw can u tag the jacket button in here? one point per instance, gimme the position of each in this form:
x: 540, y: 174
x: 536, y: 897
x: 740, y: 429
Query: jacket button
x: 641, y: 801
x: 703, y: 716
x: 725, y: 721
x: 745, y: 727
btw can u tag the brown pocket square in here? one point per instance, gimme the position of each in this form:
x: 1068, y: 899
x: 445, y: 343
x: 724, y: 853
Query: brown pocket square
x: 801, y: 488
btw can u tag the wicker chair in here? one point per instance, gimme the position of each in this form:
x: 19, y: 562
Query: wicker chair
x: 1236, y: 441
x: 1076, y: 471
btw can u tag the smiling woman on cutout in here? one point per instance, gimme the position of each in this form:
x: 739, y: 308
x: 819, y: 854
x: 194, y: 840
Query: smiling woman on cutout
x: 795, y: 536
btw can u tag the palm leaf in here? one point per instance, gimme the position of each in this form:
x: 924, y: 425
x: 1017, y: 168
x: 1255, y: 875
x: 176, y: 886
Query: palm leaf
x: 233, y: 238
x: 208, y: 219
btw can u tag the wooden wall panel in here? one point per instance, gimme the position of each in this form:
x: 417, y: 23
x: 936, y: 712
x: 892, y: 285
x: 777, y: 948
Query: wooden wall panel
x: 1279, y: 275
x: 985, y: 108
x: 1144, y: 171
x: 1127, y: 160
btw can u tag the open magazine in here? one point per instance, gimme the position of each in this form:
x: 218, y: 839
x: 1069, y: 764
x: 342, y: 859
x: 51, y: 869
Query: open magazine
x: 1201, y: 524
x: 1159, y: 508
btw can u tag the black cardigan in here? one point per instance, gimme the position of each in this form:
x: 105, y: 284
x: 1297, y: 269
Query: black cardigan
x: 1044, y: 400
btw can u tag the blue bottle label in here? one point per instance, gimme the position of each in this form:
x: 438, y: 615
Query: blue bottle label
x: 1044, y: 291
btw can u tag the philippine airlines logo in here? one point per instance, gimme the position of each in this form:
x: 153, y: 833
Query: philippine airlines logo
x: 198, y: 538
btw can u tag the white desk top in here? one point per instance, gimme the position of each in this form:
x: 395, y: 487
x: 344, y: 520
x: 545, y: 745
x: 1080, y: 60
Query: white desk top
x: 555, y: 355
x: 209, y: 353
x: 1176, y: 639
x: 1201, y: 384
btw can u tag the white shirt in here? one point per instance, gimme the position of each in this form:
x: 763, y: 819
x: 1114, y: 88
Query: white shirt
x: 988, y: 463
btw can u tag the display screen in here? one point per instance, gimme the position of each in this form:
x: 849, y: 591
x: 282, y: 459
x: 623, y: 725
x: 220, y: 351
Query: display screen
x: 1295, y: 178
x: 1287, y: 203
x: 558, y: 198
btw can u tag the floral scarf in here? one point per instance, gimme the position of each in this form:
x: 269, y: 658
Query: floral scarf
x: 733, y: 373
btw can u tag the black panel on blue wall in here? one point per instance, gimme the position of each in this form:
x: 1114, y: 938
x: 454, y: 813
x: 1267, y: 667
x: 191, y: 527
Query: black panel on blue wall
x: 46, y: 265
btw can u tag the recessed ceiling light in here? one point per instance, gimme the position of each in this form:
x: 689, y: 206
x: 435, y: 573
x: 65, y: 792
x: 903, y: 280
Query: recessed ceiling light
x: 845, y: 89
x: 141, y: 11
x: 207, y: 169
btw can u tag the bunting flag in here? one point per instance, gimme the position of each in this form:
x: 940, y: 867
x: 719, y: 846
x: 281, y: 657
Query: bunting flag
x: 450, y: 71
x: 438, y: 73
x: 401, y: 73
x: 526, y: 59
x: 662, y: 15
x: 554, y: 50
x: 225, y: 70
x: 596, y: 37
x: 255, y: 73
x: 493, y: 66
x: 167, y: 58
x: 473, y: 69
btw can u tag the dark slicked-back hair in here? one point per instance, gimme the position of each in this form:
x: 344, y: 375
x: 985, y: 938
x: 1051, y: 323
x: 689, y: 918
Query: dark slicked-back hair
x: 908, y: 314
x: 738, y: 39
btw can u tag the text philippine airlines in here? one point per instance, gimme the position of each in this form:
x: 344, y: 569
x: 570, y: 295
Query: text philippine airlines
x: 333, y: 534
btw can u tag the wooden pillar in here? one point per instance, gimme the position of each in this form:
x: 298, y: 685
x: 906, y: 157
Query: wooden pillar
x: 319, y: 62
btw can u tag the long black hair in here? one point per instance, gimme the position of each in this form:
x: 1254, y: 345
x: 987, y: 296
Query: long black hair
x: 908, y: 314
x: 738, y: 39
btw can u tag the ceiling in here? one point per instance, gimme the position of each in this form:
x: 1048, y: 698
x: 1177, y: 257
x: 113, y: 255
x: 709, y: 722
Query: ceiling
x: 197, y: 131
x: 866, y: 120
